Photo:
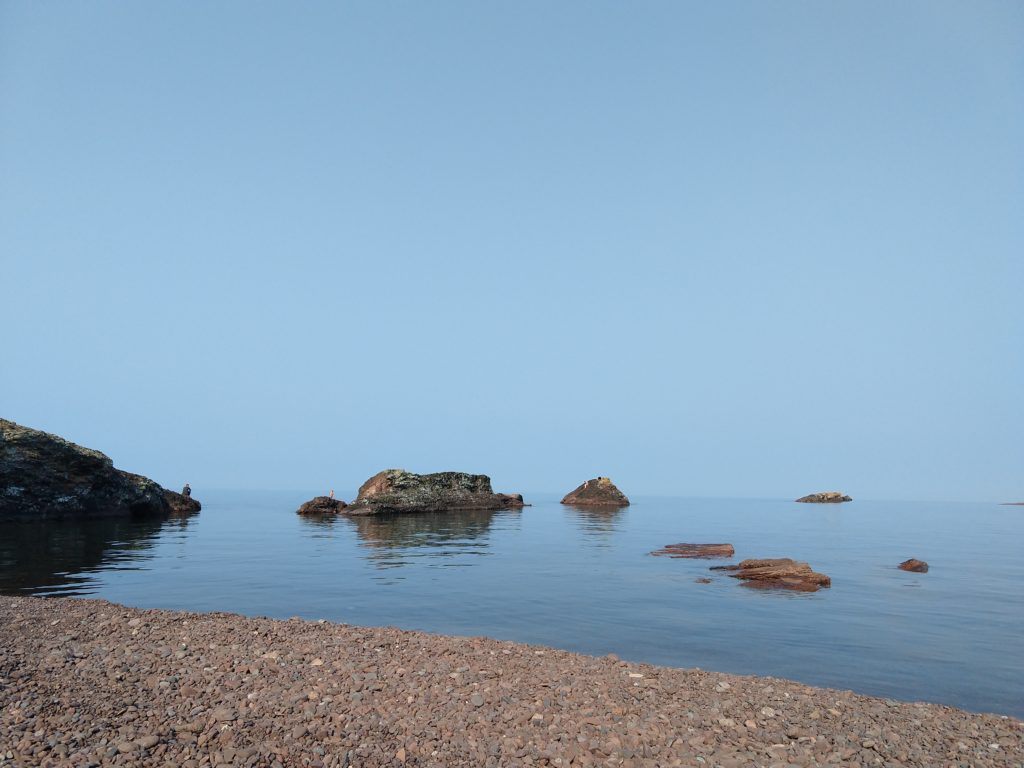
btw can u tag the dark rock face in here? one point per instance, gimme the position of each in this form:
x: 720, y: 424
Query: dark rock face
x: 826, y: 497
x: 322, y: 505
x: 778, y: 573
x: 697, y: 551
x: 395, y: 490
x: 599, y: 492
x: 43, y: 475
x: 915, y: 566
x: 181, y: 504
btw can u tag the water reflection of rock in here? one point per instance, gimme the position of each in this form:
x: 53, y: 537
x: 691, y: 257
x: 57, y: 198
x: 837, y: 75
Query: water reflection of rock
x: 397, y: 537
x: 597, y: 521
x: 46, y: 557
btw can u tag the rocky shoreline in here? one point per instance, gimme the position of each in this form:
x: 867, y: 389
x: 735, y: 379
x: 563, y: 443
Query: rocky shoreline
x: 87, y: 682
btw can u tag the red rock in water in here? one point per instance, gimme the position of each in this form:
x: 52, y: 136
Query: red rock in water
x: 916, y: 566
x: 705, y: 551
x: 599, y: 492
x: 777, y: 573
x: 322, y: 505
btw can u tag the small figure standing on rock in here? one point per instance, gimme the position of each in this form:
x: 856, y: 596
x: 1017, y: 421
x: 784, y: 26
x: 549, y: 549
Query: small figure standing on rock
x: 187, y: 491
x: 332, y: 493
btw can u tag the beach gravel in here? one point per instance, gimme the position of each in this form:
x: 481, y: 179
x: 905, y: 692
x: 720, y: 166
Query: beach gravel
x: 88, y: 683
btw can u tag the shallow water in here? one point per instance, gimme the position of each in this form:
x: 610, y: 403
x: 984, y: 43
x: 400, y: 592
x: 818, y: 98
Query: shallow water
x: 582, y: 580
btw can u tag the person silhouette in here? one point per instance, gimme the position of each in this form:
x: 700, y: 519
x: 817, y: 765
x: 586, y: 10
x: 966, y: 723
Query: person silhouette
x: 186, y: 491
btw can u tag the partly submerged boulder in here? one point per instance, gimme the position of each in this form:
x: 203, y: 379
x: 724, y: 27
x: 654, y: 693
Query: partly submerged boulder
x: 701, y: 551
x: 322, y: 505
x: 777, y: 573
x: 395, y: 490
x: 599, y: 492
x: 915, y: 566
x: 825, y: 497
x: 43, y: 475
x: 181, y: 504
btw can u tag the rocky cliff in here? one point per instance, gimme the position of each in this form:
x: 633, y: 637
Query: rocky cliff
x: 43, y: 475
x: 395, y: 490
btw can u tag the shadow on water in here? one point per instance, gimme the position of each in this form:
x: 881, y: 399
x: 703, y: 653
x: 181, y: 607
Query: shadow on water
x: 48, y: 558
x: 600, y: 522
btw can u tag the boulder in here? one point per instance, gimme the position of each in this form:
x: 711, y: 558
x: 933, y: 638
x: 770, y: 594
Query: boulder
x: 322, y: 505
x: 778, y: 573
x: 599, y: 492
x: 826, y: 497
x: 915, y: 566
x: 395, y: 490
x: 701, y: 551
x: 181, y: 504
x: 43, y: 475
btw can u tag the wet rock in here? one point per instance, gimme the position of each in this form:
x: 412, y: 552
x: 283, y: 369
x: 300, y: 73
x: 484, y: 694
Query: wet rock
x: 599, y: 492
x: 777, y: 573
x: 916, y: 566
x: 43, y: 475
x: 322, y: 505
x: 181, y: 504
x: 395, y: 490
x: 696, y: 551
x: 825, y: 497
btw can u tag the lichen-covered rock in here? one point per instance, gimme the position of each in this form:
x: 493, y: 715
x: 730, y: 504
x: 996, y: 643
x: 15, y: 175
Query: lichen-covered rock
x: 915, y: 566
x: 395, y: 490
x: 777, y: 573
x: 599, y: 492
x: 181, y: 504
x: 322, y: 505
x: 825, y: 497
x: 43, y: 475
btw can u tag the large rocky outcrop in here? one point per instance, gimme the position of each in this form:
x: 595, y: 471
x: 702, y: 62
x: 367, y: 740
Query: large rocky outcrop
x: 43, y: 475
x: 322, y: 505
x: 825, y: 497
x: 599, y: 492
x: 395, y: 490
x: 777, y: 573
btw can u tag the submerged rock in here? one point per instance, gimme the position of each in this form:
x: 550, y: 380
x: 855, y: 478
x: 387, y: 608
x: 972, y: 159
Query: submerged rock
x: 916, y: 566
x: 826, y: 497
x: 599, y: 492
x: 777, y: 573
x: 181, y: 504
x: 322, y: 505
x: 395, y: 490
x: 43, y: 475
x: 702, y: 551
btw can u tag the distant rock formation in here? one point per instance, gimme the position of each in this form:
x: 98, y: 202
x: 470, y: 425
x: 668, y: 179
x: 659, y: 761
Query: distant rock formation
x: 322, y: 505
x: 43, y: 475
x: 599, y: 492
x: 915, y: 566
x: 826, y: 497
x: 778, y: 573
x: 395, y: 490
x: 181, y: 504
x: 697, y: 551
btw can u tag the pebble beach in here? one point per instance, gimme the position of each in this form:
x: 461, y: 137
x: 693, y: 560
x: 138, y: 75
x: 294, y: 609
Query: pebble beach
x: 88, y: 683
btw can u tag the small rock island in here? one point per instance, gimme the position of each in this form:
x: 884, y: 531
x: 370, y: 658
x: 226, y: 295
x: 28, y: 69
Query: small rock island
x: 45, y: 476
x: 914, y: 566
x: 322, y: 505
x: 777, y: 573
x: 825, y: 497
x: 599, y: 492
x: 396, y: 490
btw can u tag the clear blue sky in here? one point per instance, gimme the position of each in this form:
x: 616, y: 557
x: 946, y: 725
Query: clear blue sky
x: 724, y: 248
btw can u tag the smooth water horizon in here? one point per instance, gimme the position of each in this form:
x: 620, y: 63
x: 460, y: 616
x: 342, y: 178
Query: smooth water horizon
x: 583, y: 580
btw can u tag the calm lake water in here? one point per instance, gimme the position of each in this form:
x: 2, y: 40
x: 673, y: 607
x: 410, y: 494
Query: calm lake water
x: 583, y: 581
